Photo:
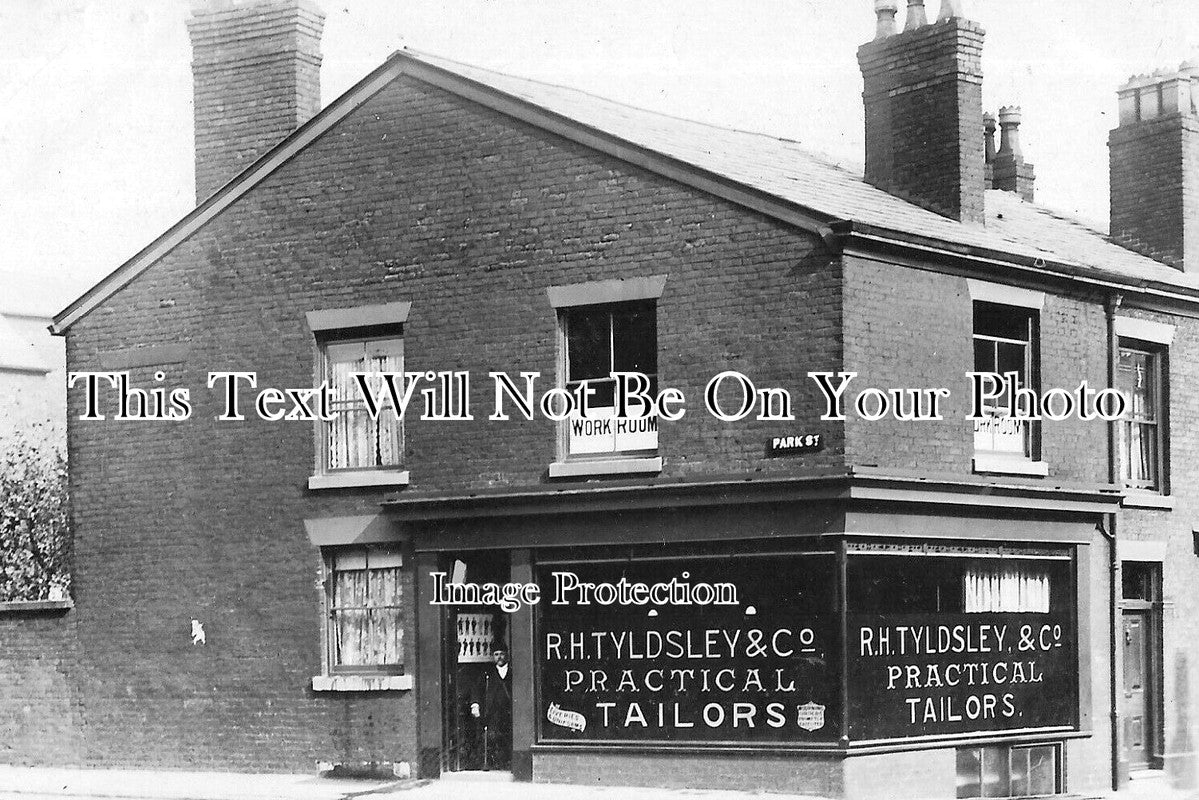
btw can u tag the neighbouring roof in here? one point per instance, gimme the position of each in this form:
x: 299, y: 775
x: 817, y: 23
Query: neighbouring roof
x: 816, y: 189
x: 36, y: 293
x: 18, y: 353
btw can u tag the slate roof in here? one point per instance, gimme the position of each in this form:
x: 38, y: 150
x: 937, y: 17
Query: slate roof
x: 800, y: 186
x: 787, y: 170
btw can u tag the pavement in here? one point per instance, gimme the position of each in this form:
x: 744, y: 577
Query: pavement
x: 36, y: 783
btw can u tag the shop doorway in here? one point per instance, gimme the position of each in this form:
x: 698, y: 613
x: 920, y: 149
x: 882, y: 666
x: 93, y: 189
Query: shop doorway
x: 1142, y: 664
x: 477, y: 680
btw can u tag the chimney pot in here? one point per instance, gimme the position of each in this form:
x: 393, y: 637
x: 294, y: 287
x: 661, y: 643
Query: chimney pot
x: 950, y: 9
x: 917, y: 18
x: 1010, y: 172
x: 1009, y: 131
x: 886, y: 11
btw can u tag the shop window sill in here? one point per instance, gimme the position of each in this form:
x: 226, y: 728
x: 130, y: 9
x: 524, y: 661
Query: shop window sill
x: 1008, y: 465
x: 24, y: 606
x: 1142, y: 499
x: 615, y: 466
x: 353, y: 480
x: 361, y: 683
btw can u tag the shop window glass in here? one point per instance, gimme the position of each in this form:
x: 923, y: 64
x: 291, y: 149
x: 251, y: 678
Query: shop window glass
x: 599, y: 340
x: 1008, y: 771
x: 365, y: 625
x: 1004, y: 342
x: 1005, y: 588
x: 1139, y: 379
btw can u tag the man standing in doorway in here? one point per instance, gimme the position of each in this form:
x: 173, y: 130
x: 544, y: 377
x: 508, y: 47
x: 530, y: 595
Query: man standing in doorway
x: 491, y: 704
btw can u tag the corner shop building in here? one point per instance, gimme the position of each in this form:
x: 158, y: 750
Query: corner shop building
x: 932, y: 608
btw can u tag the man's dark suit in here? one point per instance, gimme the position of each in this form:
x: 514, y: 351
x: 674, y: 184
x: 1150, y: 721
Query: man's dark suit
x: 494, y: 697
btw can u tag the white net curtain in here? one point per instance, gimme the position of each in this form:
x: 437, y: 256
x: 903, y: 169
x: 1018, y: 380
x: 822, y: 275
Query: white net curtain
x: 367, y: 594
x: 354, y: 440
x: 1006, y: 588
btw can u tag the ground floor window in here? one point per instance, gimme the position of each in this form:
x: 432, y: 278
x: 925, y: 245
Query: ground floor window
x: 1009, y: 770
x: 364, y: 589
x: 956, y: 639
x: 716, y: 649
x: 861, y: 640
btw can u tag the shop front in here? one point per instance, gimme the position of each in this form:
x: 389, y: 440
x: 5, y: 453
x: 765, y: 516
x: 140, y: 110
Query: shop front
x: 816, y: 646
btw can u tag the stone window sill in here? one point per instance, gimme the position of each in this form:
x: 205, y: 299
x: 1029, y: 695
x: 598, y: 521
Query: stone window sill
x: 1009, y: 465
x: 1143, y: 499
x: 361, y: 683
x: 35, y: 605
x: 615, y: 466
x: 364, y: 478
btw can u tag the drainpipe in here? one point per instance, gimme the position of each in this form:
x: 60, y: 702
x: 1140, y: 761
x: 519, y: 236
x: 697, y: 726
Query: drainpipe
x: 1119, y: 770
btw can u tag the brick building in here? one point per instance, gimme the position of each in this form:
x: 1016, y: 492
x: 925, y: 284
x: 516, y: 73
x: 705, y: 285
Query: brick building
x: 946, y: 607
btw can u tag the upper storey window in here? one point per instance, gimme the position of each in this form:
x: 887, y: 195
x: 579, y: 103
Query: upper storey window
x: 353, y: 450
x: 352, y: 440
x: 1142, y: 379
x: 1006, y: 343
x: 607, y: 327
x: 598, y: 341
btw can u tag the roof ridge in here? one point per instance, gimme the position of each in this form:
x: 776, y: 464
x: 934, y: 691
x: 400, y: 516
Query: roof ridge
x: 424, y: 54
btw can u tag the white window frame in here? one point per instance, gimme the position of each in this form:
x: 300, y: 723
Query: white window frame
x: 1027, y: 304
x: 391, y: 558
x: 1158, y: 360
x: 564, y: 299
x: 384, y: 322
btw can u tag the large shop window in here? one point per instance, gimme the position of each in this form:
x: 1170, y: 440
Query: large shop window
x: 352, y: 440
x: 1005, y: 343
x: 1142, y: 431
x: 1009, y: 771
x: 719, y: 649
x: 597, y: 341
x: 365, y: 625
x: 950, y: 640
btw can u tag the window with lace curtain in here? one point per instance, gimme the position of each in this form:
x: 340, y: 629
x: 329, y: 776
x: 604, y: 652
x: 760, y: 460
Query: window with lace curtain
x: 365, y: 620
x: 1139, y: 379
x: 352, y: 440
x: 1006, y: 589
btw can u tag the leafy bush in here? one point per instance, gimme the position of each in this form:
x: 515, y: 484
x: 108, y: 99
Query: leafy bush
x: 35, y: 522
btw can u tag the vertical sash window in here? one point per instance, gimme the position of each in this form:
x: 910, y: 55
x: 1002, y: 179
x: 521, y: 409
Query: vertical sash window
x: 1139, y: 380
x: 1004, y: 339
x: 352, y: 439
x: 365, y: 623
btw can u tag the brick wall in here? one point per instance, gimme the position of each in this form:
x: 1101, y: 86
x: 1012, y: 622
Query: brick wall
x: 805, y: 774
x: 417, y: 196
x: 38, y: 711
x: 911, y: 328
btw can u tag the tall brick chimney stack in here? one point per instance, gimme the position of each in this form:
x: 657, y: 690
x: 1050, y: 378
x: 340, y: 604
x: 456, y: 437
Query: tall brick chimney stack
x: 1154, y: 156
x: 1011, y: 172
x: 923, y: 96
x: 256, y: 68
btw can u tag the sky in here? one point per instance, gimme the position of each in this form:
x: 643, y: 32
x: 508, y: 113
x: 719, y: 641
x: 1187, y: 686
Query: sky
x: 95, y: 95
